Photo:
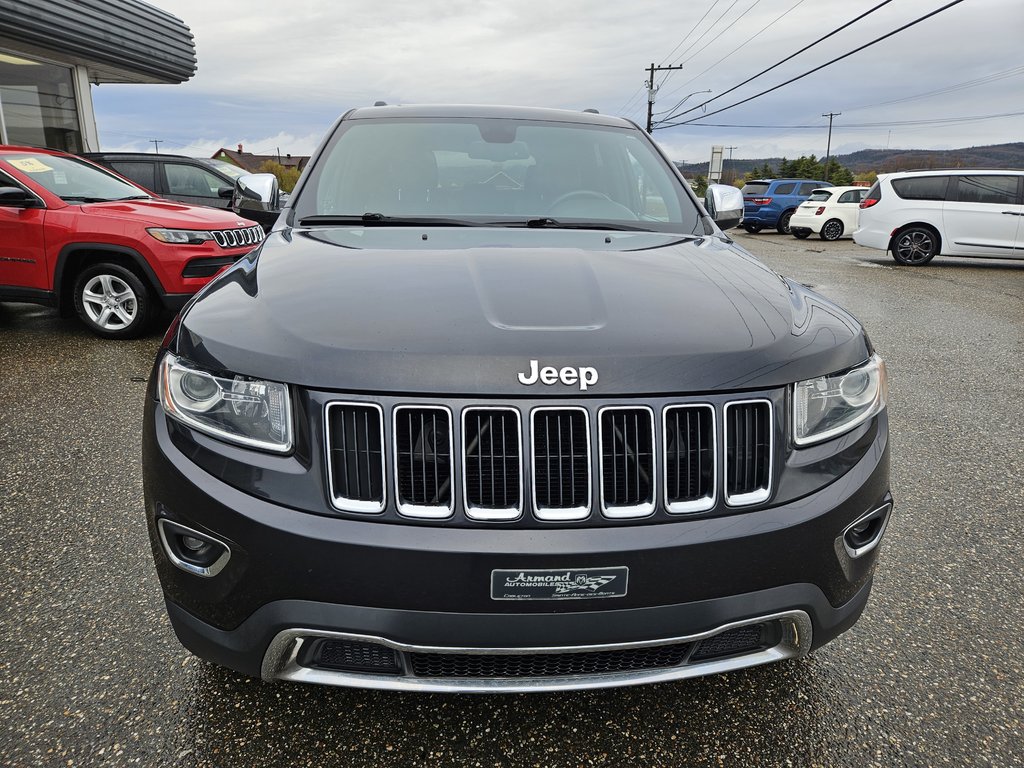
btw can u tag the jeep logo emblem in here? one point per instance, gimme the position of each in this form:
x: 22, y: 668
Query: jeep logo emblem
x: 548, y: 375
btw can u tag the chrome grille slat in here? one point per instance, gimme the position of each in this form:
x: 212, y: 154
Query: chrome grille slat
x: 492, y: 463
x: 424, y: 468
x: 561, y: 452
x: 749, y: 447
x: 355, y: 456
x: 238, y: 237
x: 628, y: 478
x: 690, y: 458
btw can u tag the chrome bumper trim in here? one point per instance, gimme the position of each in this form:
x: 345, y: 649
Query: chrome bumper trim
x: 280, y: 661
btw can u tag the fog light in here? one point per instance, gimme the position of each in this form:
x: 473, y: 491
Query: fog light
x: 192, y: 551
x: 865, y: 533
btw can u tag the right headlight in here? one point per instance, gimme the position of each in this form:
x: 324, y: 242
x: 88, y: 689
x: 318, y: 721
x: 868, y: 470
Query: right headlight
x: 828, y: 406
x: 242, y: 410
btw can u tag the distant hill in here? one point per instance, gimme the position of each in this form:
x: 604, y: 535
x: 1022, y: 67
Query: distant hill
x: 885, y: 160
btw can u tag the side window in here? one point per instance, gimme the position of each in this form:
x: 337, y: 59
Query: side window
x: 1000, y: 190
x: 853, y: 196
x: 141, y: 173
x: 807, y: 187
x: 921, y: 187
x: 785, y: 189
x: 191, y: 181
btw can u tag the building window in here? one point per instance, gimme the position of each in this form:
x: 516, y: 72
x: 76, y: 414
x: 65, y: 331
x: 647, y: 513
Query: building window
x: 38, y: 105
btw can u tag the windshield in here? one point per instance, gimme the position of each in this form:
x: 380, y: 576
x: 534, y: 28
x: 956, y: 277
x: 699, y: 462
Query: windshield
x: 74, y: 180
x: 496, y: 171
x: 225, y: 167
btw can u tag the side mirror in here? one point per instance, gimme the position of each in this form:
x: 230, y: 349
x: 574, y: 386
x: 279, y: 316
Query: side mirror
x: 16, y: 197
x: 724, y: 204
x: 256, y: 193
x: 225, y: 192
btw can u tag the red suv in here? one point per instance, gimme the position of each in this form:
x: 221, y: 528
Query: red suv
x: 81, y: 238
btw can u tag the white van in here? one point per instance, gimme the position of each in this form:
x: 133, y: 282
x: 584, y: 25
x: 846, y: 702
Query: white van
x: 917, y: 215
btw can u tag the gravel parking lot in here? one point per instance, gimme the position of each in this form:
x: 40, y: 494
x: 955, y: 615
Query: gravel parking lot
x: 933, y: 674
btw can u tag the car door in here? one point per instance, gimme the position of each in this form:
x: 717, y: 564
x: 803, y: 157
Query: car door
x: 197, y: 186
x: 22, y: 244
x: 847, y: 208
x: 981, y: 216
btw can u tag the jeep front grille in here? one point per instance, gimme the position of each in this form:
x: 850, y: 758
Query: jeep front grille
x: 504, y: 462
x: 355, y: 446
x: 689, y: 458
x: 627, y: 462
x: 238, y: 238
x: 492, y: 463
x: 424, y: 470
x: 748, y: 451
x: 561, y: 463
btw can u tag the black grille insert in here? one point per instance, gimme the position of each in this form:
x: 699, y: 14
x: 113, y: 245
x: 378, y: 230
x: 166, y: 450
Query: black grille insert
x: 561, y: 460
x: 349, y: 655
x: 492, y: 463
x: 748, y: 448
x: 356, y: 456
x: 547, y: 664
x: 423, y: 461
x: 731, y: 642
x: 689, y: 458
x: 627, y: 460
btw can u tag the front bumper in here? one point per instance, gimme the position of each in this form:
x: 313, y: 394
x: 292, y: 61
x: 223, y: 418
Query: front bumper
x: 295, y: 577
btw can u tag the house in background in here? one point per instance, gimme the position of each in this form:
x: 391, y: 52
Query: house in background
x: 252, y: 163
x: 52, y: 50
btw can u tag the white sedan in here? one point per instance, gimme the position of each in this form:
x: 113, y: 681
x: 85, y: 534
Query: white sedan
x: 830, y: 213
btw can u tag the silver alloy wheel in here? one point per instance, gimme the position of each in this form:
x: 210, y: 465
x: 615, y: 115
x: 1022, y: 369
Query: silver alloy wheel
x: 915, y: 246
x: 110, y: 302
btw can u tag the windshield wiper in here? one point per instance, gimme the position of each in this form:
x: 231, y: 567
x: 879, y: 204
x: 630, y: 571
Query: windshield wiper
x: 546, y: 222
x: 84, y: 199
x: 129, y: 197
x: 379, y: 219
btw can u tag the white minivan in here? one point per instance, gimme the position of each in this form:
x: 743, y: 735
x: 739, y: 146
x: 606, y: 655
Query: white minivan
x: 917, y: 215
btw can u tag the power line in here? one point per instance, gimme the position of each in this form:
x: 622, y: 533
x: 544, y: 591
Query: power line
x: 737, y: 48
x: 947, y: 89
x: 888, y: 124
x: 709, y: 10
x: 820, y: 67
x: 714, y: 24
x: 783, y: 61
x: 693, y: 54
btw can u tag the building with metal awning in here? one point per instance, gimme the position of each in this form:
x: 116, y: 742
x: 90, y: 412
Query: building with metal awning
x: 51, y: 51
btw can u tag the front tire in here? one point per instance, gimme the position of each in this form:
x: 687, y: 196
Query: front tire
x: 752, y: 228
x: 113, y: 301
x: 783, y: 226
x: 831, y: 230
x: 800, y: 234
x: 915, y: 246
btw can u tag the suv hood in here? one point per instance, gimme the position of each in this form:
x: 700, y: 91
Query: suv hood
x: 465, y: 311
x: 164, y: 213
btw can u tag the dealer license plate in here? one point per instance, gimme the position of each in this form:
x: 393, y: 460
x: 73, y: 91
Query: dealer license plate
x: 559, y: 584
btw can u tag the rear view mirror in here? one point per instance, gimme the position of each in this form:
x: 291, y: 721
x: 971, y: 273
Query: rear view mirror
x: 724, y: 204
x: 256, y: 192
x: 486, y: 150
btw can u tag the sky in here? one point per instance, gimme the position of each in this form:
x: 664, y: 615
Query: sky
x: 275, y: 75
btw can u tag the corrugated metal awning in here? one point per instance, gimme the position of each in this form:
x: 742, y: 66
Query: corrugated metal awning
x: 118, y: 40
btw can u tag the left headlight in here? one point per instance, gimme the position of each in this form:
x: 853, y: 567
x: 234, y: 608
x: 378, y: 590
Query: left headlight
x: 180, y: 236
x: 828, y: 406
x: 242, y: 410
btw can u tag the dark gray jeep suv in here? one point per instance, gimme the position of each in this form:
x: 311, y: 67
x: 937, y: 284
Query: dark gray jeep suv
x: 497, y: 406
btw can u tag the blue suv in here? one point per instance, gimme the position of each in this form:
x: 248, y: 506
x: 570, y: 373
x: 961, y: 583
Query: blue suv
x: 771, y: 202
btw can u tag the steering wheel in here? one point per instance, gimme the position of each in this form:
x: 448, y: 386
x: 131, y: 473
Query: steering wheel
x: 605, y: 207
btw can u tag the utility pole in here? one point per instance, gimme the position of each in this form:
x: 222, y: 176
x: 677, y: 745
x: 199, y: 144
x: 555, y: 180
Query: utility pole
x: 652, y: 90
x: 730, y: 156
x: 156, y: 143
x: 828, y: 148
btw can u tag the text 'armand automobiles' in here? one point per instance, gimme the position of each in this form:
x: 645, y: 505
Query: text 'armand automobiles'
x: 497, y: 406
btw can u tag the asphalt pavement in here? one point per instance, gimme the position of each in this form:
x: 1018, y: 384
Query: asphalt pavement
x: 932, y: 675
